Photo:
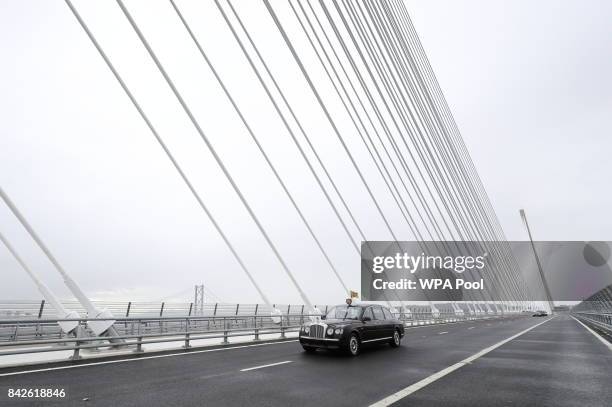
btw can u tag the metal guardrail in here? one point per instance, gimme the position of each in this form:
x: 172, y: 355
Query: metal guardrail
x: 596, y: 311
x: 159, y: 317
x: 598, y: 320
x: 40, y: 309
x: 192, y: 330
x: 134, y: 332
x: 129, y: 311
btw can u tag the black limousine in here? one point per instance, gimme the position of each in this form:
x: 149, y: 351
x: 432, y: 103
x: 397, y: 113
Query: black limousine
x: 349, y: 327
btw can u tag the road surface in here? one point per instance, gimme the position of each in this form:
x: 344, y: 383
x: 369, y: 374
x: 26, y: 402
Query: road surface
x: 557, y: 363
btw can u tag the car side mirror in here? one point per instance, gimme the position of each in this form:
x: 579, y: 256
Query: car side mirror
x: 365, y: 319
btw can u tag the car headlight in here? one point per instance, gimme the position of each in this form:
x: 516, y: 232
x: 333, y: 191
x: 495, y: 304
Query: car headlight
x: 338, y: 331
x: 330, y: 331
x: 305, y: 329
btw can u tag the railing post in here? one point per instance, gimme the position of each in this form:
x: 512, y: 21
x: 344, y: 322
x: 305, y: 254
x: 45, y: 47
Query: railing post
x: 282, y: 328
x: 77, y: 345
x: 225, y: 341
x: 214, y: 316
x: 15, y: 333
x: 40, y: 312
x: 139, y: 338
x: 138, y: 345
x: 187, y: 334
x: 161, y: 313
x: 127, y: 314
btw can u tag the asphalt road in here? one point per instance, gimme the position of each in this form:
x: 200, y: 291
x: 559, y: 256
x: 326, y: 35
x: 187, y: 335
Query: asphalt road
x: 558, y: 363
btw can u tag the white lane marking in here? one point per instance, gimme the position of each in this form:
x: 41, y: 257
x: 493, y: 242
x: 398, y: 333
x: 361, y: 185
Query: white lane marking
x: 472, y: 327
x: 435, y: 325
x: 608, y: 344
x: 135, y: 359
x: 262, y: 366
x: 442, y: 333
x: 387, y: 401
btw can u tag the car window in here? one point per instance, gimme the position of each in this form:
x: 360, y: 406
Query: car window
x: 344, y: 312
x: 387, y: 313
x: 368, y: 313
x: 378, y: 314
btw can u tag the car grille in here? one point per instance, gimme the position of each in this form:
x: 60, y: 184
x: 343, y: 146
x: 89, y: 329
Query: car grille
x: 317, y: 331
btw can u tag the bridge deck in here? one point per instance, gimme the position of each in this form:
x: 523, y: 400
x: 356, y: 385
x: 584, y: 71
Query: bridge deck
x: 558, y: 363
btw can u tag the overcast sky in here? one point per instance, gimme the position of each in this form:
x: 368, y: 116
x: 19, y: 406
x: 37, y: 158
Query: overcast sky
x: 528, y: 84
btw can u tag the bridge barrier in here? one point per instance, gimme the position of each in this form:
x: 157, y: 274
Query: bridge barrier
x: 162, y: 317
x: 191, y: 330
x: 596, y: 311
x: 601, y: 321
x: 32, y: 336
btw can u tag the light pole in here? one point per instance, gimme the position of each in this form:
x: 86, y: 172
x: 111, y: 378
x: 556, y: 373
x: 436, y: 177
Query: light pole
x: 540, y: 270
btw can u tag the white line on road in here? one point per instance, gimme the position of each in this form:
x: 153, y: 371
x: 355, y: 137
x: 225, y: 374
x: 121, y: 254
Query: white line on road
x: 472, y: 327
x: 408, y: 327
x: 608, y: 344
x: 262, y: 366
x: 442, y: 333
x: 387, y: 401
x: 107, y: 362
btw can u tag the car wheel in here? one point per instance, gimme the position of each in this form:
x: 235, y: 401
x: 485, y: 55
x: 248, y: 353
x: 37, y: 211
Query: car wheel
x: 354, y: 345
x: 309, y: 349
x: 396, y: 341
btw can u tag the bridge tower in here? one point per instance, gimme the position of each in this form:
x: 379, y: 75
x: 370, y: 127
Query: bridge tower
x: 198, y: 300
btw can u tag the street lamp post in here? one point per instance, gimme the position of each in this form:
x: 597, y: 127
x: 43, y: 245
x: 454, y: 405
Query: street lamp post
x: 540, y: 269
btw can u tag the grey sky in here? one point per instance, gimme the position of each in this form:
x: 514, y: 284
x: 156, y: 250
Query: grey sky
x: 529, y: 86
x: 527, y: 82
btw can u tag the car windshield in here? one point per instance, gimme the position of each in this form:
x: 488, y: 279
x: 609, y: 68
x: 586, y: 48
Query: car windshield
x: 344, y: 312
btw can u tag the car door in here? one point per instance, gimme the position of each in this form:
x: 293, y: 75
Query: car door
x: 381, y: 324
x: 369, y: 327
x: 390, y: 321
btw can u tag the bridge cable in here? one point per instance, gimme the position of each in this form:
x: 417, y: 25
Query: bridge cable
x: 356, y: 114
x: 450, y: 145
x: 288, y: 127
x: 167, y: 151
x: 260, y: 147
x: 434, y: 157
x: 218, y: 159
x: 448, y: 119
x: 348, y: 54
